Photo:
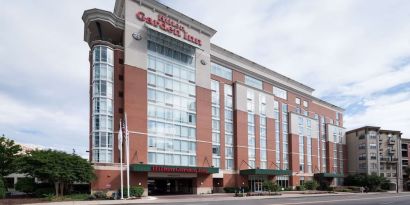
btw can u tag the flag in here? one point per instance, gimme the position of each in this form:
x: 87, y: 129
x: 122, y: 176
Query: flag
x: 120, y: 137
x: 127, y: 150
x: 126, y: 129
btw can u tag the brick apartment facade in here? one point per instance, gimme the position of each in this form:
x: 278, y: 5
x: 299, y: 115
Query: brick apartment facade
x: 200, y: 117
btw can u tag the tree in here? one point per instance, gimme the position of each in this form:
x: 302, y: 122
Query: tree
x: 373, y: 181
x: 56, y: 167
x: 9, y: 152
x: 26, y: 185
x: 2, y: 189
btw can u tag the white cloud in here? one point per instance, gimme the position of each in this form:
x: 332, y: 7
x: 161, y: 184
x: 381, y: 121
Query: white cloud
x: 45, y: 72
x: 347, y: 50
x: 386, y: 111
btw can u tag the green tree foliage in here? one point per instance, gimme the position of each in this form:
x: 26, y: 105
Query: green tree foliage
x: 56, y: 167
x: 26, y: 185
x: 2, y: 189
x: 8, y: 154
x: 373, y: 181
x: 311, y: 185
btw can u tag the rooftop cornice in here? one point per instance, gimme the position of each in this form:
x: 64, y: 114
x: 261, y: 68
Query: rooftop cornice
x: 92, y: 15
x: 194, y: 24
x: 362, y: 128
x: 270, y: 74
x: 264, y: 69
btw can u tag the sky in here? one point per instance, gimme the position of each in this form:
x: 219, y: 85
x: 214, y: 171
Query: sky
x: 355, y: 54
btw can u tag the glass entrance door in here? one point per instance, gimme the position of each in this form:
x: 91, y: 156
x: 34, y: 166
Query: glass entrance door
x: 256, y: 183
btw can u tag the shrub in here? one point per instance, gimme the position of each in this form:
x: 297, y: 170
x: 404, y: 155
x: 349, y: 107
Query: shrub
x: 230, y: 189
x: 2, y: 189
x: 300, y: 188
x: 270, y: 186
x: 288, y: 189
x: 311, y: 185
x: 100, y: 195
x: 135, y: 191
x: 26, y: 185
x: 43, y: 191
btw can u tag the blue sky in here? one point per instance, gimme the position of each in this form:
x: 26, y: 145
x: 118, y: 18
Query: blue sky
x: 356, y: 54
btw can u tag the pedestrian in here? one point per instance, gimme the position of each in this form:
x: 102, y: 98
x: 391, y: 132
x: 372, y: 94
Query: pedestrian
x: 366, y: 189
x: 361, y: 189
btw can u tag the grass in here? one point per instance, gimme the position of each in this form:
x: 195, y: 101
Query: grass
x: 71, y: 197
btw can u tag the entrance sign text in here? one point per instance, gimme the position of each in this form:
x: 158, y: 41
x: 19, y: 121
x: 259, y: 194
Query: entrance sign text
x: 169, y: 26
x: 177, y: 169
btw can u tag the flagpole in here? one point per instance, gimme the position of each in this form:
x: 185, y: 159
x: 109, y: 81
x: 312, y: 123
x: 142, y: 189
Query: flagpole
x: 128, y: 155
x: 121, y: 167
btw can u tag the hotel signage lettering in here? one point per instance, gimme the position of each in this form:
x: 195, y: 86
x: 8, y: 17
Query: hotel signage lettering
x: 169, y: 26
x: 178, y: 170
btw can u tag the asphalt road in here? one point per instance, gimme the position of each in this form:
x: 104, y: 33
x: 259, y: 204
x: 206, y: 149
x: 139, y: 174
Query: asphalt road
x: 371, y: 199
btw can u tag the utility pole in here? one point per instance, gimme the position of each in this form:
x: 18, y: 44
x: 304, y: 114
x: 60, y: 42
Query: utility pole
x: 397, y: 176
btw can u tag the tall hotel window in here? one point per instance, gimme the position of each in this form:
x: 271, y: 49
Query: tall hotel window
x: 335, y: 151
x: 102, y: 100
x: 221, y: 71
x: 318, y: 143
x: 309, y: 144
x: 280, y: 93
x: 323, y: 141
x: 277, y: 132
x: 301, y: 145
x: 253, y: 82
x: 216, y: 137
x: 171, y: 101
x: 285, y: 136
x: 228, y: 127
x: 251, y: 128
x: 337, y: 119
x: 262, y: 139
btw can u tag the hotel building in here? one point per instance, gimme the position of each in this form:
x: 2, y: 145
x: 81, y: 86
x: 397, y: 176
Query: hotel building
x: 200, y: 117
x: 373, y: 150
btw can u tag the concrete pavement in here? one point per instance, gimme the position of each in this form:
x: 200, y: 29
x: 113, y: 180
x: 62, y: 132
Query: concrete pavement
x: 214, y: 199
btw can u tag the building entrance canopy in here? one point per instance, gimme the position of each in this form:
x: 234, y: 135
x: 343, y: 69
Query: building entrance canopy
x: 265, y: 172
x: 329, y: 175
x: 174, y: 169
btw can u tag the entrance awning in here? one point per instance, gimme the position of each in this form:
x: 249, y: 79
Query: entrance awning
x: 174, y: 169
x: 330, y: 175
x: 265, y: 172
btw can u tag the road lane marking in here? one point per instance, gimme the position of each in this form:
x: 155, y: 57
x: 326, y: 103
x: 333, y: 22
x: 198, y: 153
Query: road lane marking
x: 337, y: 200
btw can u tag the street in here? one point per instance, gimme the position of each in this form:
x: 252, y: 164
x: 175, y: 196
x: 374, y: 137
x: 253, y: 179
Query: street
x: 359, y: 199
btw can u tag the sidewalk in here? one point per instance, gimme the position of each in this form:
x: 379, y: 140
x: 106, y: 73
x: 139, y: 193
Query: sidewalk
x: 198, y: 198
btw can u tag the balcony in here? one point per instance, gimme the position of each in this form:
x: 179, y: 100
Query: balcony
x: 391, y: 141
x: 388, y: 159
x: 361, y: 137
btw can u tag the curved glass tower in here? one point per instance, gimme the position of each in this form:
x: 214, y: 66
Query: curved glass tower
x: 102, y: 104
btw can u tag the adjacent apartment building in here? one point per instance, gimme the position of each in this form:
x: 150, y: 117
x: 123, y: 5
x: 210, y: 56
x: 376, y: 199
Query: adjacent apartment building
x: 200, y: 117
x: 405, y: 156
x: 373, y: 150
